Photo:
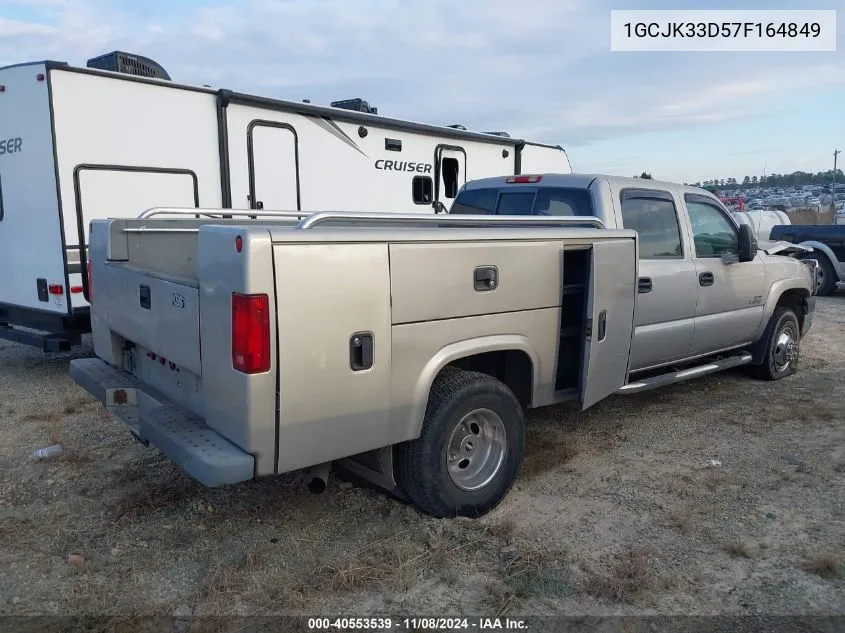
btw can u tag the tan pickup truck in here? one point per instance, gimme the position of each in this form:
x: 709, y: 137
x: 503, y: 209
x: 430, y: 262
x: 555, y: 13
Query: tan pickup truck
x: 404, y: 349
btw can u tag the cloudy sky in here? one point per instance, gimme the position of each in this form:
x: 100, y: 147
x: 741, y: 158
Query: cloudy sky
x: 539, y: 69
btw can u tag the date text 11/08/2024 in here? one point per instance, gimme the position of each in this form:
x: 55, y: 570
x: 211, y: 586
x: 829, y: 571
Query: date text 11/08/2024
x: 416, y: 624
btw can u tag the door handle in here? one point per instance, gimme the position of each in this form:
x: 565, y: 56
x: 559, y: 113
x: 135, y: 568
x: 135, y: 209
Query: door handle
x: 602, y: 328
x: 486, y: 278
x: 144, y: 297
x: 706, y: 279
x: 644, y: 285
x: 361, y: 351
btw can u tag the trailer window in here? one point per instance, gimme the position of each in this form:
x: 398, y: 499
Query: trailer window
x: 451, y: 170
x: 422, y: 189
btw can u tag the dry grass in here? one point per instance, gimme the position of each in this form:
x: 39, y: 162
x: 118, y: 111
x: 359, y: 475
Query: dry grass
x: 256, y: 577
x: 498, y: 599
x: 364, y: 569
x: 826, y: 566
x: 543, y: 455
x: 629, y: 576
x: 76, y: 459
x: 52, y: 418
x: 530, y: 572
x: 808, y: 215
x: 804, y: 468
x: 43, y: 416
x: 685, y: 517
x: 740, y: 548
x: 144, y: 500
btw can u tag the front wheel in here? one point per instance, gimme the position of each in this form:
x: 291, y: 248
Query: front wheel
x: 470, y: 448
x: 782, y: 340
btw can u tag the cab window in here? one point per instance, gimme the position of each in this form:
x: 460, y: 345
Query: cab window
x: 713, y: 233
x: 654, y: 217
x: 546, y: 201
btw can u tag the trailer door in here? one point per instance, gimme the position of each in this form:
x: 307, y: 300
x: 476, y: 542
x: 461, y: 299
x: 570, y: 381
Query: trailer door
x: 273, y: 155
x: 611, y: 296
x: 450, y: 165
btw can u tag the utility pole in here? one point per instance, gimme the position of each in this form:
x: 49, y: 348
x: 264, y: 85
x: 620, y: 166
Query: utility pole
x: 836, y: 153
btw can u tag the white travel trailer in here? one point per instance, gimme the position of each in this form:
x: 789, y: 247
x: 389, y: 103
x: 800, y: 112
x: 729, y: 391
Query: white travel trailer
x: 118, y: 136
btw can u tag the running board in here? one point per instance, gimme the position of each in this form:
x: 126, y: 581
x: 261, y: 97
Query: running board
x: 685, y: 374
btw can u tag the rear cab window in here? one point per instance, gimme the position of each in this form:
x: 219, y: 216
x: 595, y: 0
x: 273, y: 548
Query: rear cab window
x: 522, y: 200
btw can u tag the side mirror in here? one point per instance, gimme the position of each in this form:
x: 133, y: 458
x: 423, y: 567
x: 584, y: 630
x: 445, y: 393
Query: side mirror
x: 747, y: 243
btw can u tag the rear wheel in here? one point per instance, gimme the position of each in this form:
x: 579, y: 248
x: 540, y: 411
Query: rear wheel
x: 826, y: 275
x: 782, y: 338
x: 470, y: 447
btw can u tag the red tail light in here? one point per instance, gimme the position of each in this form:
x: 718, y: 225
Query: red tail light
x: 250, y: 333
x: 56, y: 289
x: 523, y: 179
x: 90, y: 284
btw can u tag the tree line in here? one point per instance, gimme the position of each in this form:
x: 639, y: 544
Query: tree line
x: 795, y: 179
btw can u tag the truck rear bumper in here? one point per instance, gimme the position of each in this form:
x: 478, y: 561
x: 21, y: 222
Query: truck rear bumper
x: 182, y: 436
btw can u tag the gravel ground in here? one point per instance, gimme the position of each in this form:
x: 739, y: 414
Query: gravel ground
x: 719, y: 496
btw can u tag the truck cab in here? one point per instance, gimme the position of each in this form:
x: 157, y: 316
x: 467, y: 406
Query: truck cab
x: 704, y: 286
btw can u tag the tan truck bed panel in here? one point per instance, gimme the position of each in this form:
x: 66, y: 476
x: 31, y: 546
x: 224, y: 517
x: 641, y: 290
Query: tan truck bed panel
x: 327, y: 293
x: 421, y: 349
x: 430, y: 282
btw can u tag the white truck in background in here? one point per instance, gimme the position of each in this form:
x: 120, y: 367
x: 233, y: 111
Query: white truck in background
x: 106, y: 140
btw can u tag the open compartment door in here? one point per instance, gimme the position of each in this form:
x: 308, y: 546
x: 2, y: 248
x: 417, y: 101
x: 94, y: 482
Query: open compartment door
x: 611, y: 297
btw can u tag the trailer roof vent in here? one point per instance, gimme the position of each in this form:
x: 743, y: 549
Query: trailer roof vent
x: 358, y: 105
x: 120, y: 62
x: 502, y: 134
x: 457, y: 126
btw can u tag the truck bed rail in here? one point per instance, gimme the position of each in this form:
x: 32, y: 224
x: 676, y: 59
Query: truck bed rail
x: 308, y: 220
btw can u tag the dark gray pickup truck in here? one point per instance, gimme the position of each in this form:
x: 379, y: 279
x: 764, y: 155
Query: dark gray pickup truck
x: 828, y: 244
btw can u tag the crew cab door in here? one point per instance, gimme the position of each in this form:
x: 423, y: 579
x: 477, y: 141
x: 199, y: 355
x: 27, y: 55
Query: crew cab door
x: 730, y: 293
x: 611, y: 296
x: 450, y: 174
x: 667, y: 286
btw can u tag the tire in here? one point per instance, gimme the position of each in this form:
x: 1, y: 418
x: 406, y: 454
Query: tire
x: 827, y: 274
x: 782, y: 342
x: 483, y: 423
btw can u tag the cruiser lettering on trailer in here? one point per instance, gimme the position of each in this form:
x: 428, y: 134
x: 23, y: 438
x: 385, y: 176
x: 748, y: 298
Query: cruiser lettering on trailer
x: 11, y: 145
x: 401, y: 165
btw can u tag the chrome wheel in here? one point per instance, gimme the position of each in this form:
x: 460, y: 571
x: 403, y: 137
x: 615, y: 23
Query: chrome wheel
x: 786, y: 349
x: 476, y: 449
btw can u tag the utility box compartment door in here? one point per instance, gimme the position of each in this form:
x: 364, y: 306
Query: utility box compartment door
x: 611, y: 298
x: 451, y: 280
x: 333, y: 303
